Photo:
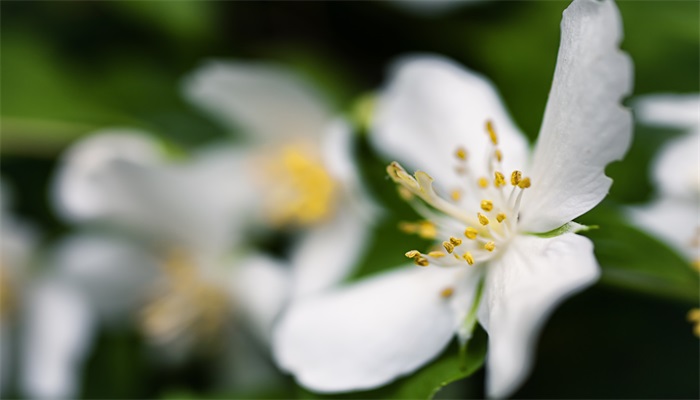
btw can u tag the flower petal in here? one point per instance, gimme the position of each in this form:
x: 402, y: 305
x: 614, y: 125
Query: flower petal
x: 676, y: 170
x: 58, y: 332
x: 267, y: 101
x: 370, y: 333
x: 522, y: 288
x: 680, y: 111
x: 674, y: 221
x: 585, y: 127
x: 260, y: 287
x: 113, y: 273
x: 431, y: 107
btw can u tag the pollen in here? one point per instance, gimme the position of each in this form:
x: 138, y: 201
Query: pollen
x: 516, y: 177
x: 447, y: 292
x: 498, y: 155
x: 483, y: 183
x: 461, y: 153
x: 424, y: 229
x: 500, y: 217
x: 456, y: 195
x: 490, y: 246
x: 499, y: 179
x: 470, y: 233
x: 524, y: 184
x: 486, y: 205
x: 468, y: 258
x: 455, y: 241
x: 492, y: 132
x: 436, y: 254
x: 421, y: 261
x: 483, y: 220
x: 412, y: 253
x: 449, y: 247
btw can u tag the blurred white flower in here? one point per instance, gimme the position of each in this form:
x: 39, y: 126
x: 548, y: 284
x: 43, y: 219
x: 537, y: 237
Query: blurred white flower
x: 674, y: 215
x: 432, y: 8
x: 509, y: 250
x: 42, y: 320
x: 298, y: 163
x: 175, y: 263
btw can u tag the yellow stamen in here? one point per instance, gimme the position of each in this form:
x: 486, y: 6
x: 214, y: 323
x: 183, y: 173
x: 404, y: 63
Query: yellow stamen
x: 483, y: 183
x: 694, y: 317
x: 516, y: 177
x: 421, y: 261
x: 461, y: 153
x: 455, y: 241
x: 500, y: 217
x: 468, y: 258
x: 490, y: 246
x: 499, y: 179
x: 447, y: 292
x: 482, y: 219
x: 412, y: 253
x: 470, y: 233
x: 486, y: 205
x: 427, y: 230
x: 524, y: 184
x: 449, y: 247
x: 498, y: 155
x: 492, y: 132
x: 436, y: 254
x: 456, y: 195
x: 696, y: 264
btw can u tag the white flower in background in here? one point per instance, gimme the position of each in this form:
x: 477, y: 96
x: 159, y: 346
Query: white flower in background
x: 674, y: 216
x: 432, y: 8
x: 507, y: 252
x: 40, y: 317
x: 298, y: 162
x: 173, y: 270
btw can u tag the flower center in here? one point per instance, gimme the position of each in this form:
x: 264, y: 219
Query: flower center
x: 476, y: 221
x: 186, y: 306
x: 299, y: 189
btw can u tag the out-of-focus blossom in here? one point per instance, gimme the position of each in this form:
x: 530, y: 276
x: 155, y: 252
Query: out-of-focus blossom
x: 431, y: 8
x: 508, y: 252
x: 172, y: 260
x: 298, y: 162
x: 42, y: 320
x: 674, y: 216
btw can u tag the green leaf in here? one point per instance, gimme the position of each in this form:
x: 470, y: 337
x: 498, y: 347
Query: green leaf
x: 452, y: 365
x: 634, y: 260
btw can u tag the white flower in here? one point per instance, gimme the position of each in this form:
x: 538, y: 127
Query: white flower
x: 299, y: 163
x: 42, y: 320
x: 172, y: 261
x: 449, y: 123
x: 674, y: 215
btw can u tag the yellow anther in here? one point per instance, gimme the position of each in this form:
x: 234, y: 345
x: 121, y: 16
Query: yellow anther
x: 482, y: 219
x: 516, y: 177
x: 468, y: 258
x: 470, y: 233
x: 499, y: 179
x: 483, y: 183
x: 412, y: 253
x: 498, y: 155
x: 524, y: 184
x: 694, y: 317
x: 447, y: 292
x: 408, y: 227
x: 449, y: 247
x: 427, y: 230
x: 455, y: 241
x: 461, y: 153
x: 500, y: 217
x: 456, y: 195
x: 486, y: 205
x: 404, y: 193
x: 696, y: 264
x: 421, y: 261
x: 490, y: 246
x: 492, y: 132
x: 436, y: 254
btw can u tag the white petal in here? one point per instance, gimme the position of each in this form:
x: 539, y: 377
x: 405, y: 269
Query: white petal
x: 522, y: 288
x: 676, y: 169
x: 58, y: 332
x: 267, y: 101
x: 114, y: 273
x: 84, y: 188
x: 327, y: 253
x: 680, y: 111
x: 430, y: 108
x: 370, y: 333
x: 675, y: 221
x: 261, y: 287
x: 585, y: 127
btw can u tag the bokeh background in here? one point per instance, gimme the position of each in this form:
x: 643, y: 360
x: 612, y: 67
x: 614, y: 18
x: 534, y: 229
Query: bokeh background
x: 68, y: 68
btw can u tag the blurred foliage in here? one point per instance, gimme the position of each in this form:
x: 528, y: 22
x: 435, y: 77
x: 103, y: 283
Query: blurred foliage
x: 68, y: 68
